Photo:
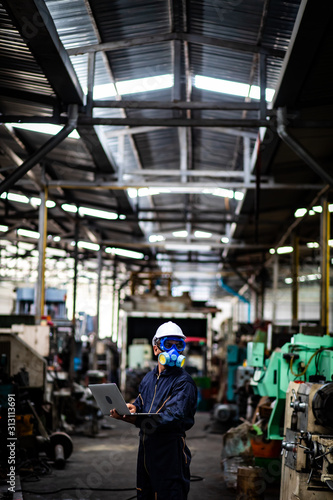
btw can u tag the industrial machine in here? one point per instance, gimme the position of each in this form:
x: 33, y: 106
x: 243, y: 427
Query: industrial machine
x: 307, y: 464
x: 305, y: 358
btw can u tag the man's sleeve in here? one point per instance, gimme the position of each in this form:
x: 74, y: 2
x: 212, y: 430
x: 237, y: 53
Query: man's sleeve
x: 176, y: 413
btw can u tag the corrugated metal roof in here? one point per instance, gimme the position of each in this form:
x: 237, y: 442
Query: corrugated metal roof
x: 220, y: 29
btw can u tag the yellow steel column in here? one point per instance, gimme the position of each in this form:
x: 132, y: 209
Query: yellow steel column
x: 295, y: 266
x: 40, y: 288
x: 325, y: 263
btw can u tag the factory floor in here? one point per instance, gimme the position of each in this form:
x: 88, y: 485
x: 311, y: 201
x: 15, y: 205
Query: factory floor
x: 104, y: 467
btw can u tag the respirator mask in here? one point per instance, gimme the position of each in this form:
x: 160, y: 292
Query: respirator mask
x: 172, y: 347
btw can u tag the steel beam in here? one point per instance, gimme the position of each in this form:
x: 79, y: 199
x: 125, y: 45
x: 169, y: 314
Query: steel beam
x: 298, y: 148
x: 188, y: 187
x: 42, y: 152
x: 179, y: 105
x: 167, y: 37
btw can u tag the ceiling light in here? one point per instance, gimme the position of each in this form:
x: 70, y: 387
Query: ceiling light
x: 87, y: 245
x: 17, y: 197
x: 69, y: 208
x: 26, y: 246
x: 288, y: 281
x: 224, y: 239
x: 3, y: 228
x: 35, y: 202
x: 202, y: 234
x: 300, y: 212
x: 286, y: 249
x: 153, y: 238
x: 28, y: 233
x: 238, y: 195
x: 122, y: 252
x: 180, y: 234
x: 101, y: 214
x: 312, y: 244
x: 56, y: 238
x: 56, y: 251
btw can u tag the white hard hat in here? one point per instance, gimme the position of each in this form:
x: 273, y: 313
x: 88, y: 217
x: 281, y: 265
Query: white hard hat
x: 168, y: 329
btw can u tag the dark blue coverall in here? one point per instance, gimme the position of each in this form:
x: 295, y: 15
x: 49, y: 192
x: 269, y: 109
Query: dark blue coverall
x: 163, y: 469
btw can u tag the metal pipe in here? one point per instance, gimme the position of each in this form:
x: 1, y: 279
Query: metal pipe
x: 196, y: 187
x: 40, y: 287
x: 43, y: 151
x: 298, y: 148
x: 99, y: 287
x: 238, y: 295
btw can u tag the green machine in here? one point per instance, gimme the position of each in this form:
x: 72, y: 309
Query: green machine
x: 305, y: 358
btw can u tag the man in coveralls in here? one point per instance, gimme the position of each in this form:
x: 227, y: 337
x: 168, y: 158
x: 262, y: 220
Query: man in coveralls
x: 163, y: 468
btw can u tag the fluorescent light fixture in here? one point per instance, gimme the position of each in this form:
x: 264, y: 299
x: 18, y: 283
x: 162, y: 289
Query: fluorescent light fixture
x: 153, y: 238
x: 300, y: 212
x: 17, y: 197
x: 318, y: 209
x: 188, y: 247
x: 3, y: 228
x: 224, y: 239
x: 59, y: 252
x: 238, y: 195
x: 26, y: 246
x: 44, y: 128
x: 330, y: 243
x: 35, y: 202
x: 3, y: 196
x: 146, y: 84
x: 286, y: 249
x: 288, y: 281
x: 146, y: 191
x: 122, y: 252
x: 272, y: 251
x: 180, y: 234
x: 122, y: 216
x: 224, y: 193
x: 87, y: 245
x: 330, y: 208
x: 56, y: 238
x: 202, y: 234
x: 28, y: 233
x: 231, y: 87
x: 312, y: 244
x: 313, y: 277
x: 69, y: 208
x: 101, y: 214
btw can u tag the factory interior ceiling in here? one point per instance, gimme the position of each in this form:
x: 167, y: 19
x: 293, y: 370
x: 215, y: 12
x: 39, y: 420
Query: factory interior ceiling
x: 189, y: 132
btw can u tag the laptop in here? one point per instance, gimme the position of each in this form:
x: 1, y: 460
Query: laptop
x: 108, y: 397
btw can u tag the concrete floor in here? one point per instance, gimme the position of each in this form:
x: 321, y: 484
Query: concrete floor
x: 101, y: 466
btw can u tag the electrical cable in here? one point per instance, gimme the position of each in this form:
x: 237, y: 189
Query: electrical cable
x: 192, y: 479
x: 297, y: 375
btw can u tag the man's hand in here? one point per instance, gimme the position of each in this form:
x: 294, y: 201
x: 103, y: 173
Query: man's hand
x: 125, y: 418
